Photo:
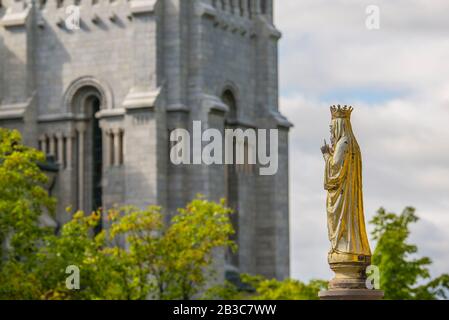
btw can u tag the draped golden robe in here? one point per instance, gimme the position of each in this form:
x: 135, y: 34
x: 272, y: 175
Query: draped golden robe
x: 343, y: 182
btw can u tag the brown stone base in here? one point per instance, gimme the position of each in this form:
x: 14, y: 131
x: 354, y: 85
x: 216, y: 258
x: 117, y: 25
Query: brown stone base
x: 348, y: 275
x: 351, y: 294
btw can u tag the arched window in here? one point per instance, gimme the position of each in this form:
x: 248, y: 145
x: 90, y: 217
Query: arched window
x: 231, y: 176
x: 88, y: 148
x: 229, y: 99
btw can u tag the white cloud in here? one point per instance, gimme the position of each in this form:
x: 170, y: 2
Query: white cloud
x: 403, y: 133
x: 409, y: 50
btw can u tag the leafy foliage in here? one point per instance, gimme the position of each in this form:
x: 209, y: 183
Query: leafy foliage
x: 137, y: 257
x: 23, y: 199
x: 189, y: 244
x: 77, y: 245
x: 400, y: 269
x: 22, y: 195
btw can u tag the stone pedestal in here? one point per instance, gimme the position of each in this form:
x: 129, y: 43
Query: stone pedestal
x: 348, y: 275
x: 351, y: 294
x: 350, y: 279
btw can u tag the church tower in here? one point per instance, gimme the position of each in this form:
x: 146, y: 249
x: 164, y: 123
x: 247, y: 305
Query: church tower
x: 101, y: 94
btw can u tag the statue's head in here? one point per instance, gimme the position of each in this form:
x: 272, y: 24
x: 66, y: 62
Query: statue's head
x: 341, y: 122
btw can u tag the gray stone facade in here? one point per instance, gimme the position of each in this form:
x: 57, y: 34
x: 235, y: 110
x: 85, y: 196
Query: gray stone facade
x: 103, y: 99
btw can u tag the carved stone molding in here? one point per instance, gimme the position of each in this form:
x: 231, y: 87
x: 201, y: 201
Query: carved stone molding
x: 106, y: 97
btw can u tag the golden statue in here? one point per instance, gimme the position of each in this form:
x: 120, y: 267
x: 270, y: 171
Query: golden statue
x: 350, y: 253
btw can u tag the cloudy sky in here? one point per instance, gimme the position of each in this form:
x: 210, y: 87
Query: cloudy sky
x: 397, y: 78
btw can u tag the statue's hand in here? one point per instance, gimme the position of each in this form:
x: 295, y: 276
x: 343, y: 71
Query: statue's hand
x: 325, y: 149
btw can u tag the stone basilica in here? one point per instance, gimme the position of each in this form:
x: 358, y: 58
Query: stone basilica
x: 102, y: 99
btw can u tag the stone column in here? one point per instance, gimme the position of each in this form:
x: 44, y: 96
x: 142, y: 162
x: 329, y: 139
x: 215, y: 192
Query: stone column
x: 69, y: 141
x: 116, y: 135
x: 52, y: 145
x: 121, y: 146
x: 81, y: 128
x: 107, y: 148
x: 60, y: 156
x: 43, y: 141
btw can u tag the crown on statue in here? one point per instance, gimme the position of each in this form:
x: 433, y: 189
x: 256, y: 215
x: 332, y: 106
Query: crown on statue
x: 341, y: 112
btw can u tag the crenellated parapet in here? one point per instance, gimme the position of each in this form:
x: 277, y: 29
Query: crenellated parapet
x: 16, y: 12
x: 233, y: 14
x: 90, y: 11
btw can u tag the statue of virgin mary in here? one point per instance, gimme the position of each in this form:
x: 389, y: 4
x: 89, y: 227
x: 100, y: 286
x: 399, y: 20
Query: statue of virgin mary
x: 350, y: 252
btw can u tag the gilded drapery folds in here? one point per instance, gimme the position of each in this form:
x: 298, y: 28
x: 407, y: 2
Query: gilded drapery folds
x: 343, y: 182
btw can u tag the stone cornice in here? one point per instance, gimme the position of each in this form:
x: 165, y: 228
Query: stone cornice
x: 269, y: 28
x: 139, y: 99
x: 142, y: 6
x: 14, y: 18
x: 15, y: 110
x: 110, y: 113
x: 60, y: 117
x: 281, y: 120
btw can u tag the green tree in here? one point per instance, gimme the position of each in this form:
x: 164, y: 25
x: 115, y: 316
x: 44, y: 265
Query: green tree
x: 23, y: 198
x: 137, y: 257
x: 78, y: 245
x: 139, y: 254
x: 189, y: 244
x: 400, y: 271
x: 147, y: 258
